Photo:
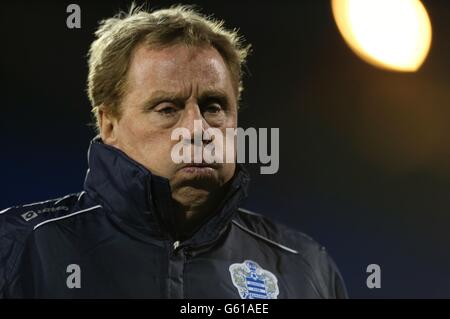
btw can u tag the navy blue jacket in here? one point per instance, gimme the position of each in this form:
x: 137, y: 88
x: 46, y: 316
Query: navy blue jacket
x: 112, y: 241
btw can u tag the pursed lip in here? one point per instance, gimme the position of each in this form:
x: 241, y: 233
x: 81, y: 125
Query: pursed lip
x: 200, y: 165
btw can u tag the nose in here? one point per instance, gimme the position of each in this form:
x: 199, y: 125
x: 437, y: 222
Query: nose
x: 194, y: 121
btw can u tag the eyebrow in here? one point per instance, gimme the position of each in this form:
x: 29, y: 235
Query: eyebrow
x: 216, y: 94
x: 160, y: 96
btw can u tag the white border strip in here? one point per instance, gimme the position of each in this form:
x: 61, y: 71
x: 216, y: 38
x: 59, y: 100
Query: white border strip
x: 62, y: 198
x: 81, y: 195
x: 66, y: 216
x: 5, y: 210
x: 37, y: 203
x: 248, y: 212
x: 264, y: 238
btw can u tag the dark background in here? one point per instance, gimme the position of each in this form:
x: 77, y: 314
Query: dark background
x: 364, y: 153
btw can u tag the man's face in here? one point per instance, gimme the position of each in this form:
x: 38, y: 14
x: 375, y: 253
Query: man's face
x: 167, y: 89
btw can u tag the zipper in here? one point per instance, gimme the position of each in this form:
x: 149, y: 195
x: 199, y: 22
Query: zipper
x: 175, y: 245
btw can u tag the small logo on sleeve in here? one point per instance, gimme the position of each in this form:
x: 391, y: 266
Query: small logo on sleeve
x: 31, y: 214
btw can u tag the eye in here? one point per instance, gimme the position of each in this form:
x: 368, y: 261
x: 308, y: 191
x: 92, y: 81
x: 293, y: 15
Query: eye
x: 212, y: 108
x: 166, y: 109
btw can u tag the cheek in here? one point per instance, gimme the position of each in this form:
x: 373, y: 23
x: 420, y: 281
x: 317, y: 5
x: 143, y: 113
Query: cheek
x: 151, y: 148
x: 154, y: 143
x: 132, y: 132
x: 134, y: 128
x: 139, y: 137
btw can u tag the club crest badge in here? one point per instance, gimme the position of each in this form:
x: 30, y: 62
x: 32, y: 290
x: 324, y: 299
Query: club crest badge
x: 254, y: 282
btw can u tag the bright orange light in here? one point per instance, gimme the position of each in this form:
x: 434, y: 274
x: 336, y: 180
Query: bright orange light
x: 392, y: 34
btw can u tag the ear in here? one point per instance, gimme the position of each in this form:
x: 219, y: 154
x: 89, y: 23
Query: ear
x: 108, y: 125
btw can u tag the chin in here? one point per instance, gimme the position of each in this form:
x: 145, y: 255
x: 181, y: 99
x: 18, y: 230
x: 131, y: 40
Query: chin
x: 188, y: 195
x: 196, y: 183
x: 204, y: 178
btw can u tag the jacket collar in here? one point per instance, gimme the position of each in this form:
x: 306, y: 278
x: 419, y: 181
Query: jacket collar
x: 143, y: 200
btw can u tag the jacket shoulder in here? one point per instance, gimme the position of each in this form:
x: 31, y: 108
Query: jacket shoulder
x: 305, y: 249
x: 18, y: 221
x: 297, y: 241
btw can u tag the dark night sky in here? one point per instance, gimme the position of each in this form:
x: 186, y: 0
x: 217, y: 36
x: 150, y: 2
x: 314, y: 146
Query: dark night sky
x: 364, y: 153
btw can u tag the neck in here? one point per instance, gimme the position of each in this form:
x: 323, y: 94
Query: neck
x: 190, y: 215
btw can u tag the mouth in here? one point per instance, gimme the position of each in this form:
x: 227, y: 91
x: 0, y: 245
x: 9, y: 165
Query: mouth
x: 212, y: 165
x: 199, y: 168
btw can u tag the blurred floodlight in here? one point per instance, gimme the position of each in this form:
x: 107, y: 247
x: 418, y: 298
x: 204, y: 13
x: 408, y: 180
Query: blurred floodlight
x: 392, y: 34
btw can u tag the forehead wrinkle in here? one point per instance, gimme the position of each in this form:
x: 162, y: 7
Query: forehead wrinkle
x: 189, y: 71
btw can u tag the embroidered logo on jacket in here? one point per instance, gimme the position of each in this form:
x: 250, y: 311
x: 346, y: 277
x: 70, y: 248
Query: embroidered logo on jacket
x: 31, y: 214
x: 254, y: 282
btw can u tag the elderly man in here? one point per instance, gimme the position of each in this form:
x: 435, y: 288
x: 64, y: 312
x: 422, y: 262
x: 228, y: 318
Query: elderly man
x: 145, y: 226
